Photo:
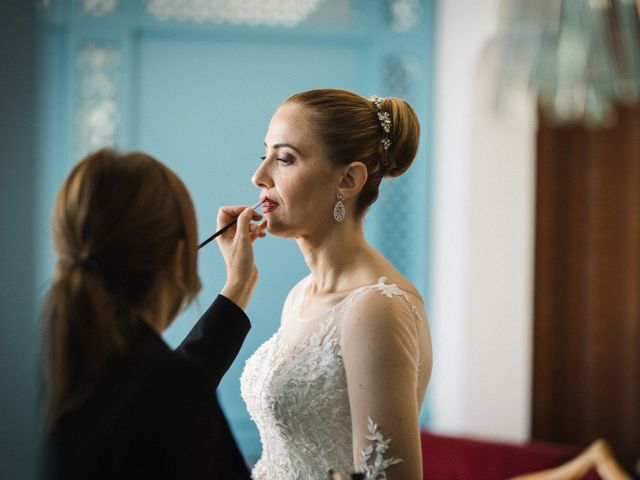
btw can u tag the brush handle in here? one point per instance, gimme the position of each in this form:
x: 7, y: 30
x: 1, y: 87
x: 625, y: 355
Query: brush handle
x: 225, y: 228
x: 219, y: 232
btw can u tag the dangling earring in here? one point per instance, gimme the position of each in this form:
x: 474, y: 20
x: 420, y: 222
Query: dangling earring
x: 339, y: 210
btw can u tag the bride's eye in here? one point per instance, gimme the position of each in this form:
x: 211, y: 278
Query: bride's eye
x: 286, y: 161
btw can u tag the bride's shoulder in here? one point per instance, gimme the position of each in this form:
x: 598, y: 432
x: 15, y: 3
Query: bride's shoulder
x: 297, y: 289
x: 392, y: 283
x: 380, y: 268
x: 396, y: 284
x: 300, y: 285
x: 380, y: 320
x: 380, y: 306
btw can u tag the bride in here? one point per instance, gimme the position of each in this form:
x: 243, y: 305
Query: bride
x: 340, y: 384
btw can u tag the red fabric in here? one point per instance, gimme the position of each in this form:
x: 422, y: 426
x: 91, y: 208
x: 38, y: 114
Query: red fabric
x: 457, y: 458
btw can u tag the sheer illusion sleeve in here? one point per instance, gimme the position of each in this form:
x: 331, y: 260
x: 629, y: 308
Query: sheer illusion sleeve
x: 383, y: 354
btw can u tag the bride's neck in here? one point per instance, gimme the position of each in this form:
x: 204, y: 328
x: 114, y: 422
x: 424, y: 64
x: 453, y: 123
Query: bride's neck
x: 335, y: 256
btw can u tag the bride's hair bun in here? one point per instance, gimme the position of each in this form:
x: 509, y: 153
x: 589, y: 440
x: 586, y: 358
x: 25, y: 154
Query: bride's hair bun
x: 404, y: 136
x: 354, y: 129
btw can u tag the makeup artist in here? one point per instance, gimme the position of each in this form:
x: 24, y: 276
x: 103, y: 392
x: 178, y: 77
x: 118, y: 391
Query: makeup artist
x: 119, y: 403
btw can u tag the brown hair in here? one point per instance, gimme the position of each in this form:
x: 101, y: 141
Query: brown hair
x: 347, y: 124
x: 116, y: 224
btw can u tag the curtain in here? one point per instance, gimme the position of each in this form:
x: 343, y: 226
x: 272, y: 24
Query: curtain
x: 586, y: 381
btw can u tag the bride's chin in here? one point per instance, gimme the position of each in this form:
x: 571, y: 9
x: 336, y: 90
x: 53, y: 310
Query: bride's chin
x: 282, y: 234
x: 279, y: 230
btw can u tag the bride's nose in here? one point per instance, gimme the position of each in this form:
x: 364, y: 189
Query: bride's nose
x: 261, y: 177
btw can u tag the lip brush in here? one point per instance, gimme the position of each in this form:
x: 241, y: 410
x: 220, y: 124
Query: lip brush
x: 225, y: 228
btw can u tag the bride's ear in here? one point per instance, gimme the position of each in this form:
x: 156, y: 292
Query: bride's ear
x: 353, y: 179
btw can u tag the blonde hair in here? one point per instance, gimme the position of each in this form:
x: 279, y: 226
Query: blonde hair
x: 348, y: 126
x: 116, y: 224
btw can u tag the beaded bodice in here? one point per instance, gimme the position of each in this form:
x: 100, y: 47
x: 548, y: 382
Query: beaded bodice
x: 295, y: 388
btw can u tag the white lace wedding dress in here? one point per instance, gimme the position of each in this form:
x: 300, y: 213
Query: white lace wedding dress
x: 342, y: 385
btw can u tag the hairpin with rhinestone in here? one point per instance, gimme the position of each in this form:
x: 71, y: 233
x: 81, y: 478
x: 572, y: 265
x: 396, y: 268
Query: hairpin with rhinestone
x: 385, y: 121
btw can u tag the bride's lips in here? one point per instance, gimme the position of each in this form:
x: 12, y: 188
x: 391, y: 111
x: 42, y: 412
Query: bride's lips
x: 268, y: 205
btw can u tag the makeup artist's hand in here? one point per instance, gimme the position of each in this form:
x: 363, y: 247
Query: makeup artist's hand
x: 236, y: 245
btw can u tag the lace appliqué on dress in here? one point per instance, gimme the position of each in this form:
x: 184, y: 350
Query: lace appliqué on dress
x: 389, y: 290
x: 378, y: 469
x: 297, y: 395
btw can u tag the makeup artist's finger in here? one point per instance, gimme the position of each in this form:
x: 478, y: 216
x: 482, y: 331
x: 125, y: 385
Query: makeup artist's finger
x: 244, y: 220
x: 227, y: 214
x: 256, y: 231
x: 255, y: 227
x: 255, y: 236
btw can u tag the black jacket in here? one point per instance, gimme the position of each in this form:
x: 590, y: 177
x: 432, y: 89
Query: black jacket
x: 155, y: 415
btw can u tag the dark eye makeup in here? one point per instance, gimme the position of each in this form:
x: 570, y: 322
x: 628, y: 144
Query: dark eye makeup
x: 283, y: 159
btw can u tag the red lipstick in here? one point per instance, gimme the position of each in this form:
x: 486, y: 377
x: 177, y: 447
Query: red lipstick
x: 268, y: 205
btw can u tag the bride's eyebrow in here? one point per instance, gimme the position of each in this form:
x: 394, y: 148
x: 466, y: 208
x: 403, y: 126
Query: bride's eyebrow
x: 280, y: 145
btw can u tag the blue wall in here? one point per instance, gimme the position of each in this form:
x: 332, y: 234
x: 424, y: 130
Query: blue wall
x: 17, y: 191
x: 198, y: 95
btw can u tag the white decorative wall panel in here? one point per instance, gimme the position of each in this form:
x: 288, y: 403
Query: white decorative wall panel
x: 97, y: 115
x: 288, y: 13
x: 97, y: 8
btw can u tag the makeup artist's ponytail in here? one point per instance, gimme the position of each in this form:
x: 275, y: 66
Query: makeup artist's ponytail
x: 82, y: 338
x: 348, y: 126
x: 117, y: 222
